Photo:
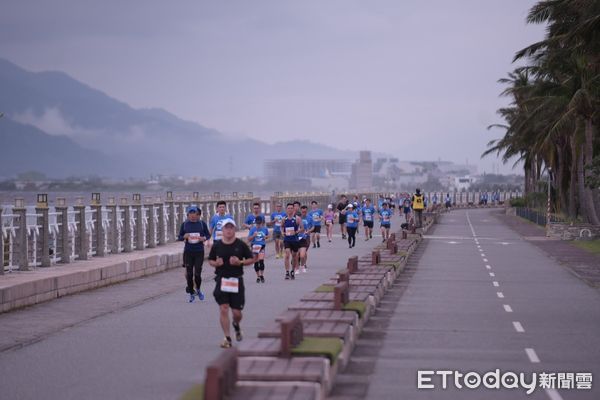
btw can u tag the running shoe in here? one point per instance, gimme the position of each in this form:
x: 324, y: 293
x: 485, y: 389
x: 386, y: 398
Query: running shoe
x: 258, y: 280
x: 200, y: 295
x: 238, y: 332
x: 262, y: 279
x: 287, y: 274
x: 292, y: 275
x: 191, y: 300
x: 318, y: 244
x: 226, y: 343
x: 304, y: 269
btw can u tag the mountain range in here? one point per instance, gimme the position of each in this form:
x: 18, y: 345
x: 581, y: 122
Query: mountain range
x: 57, y: 125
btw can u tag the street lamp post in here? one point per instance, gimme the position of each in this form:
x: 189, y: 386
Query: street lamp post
x: 548, y: 205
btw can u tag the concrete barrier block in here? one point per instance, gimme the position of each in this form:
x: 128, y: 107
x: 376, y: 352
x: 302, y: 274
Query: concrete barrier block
x: 40, y: 298
x: 20, y: 291
x: 45, y: 285
x: 164, y: 260
x: 137, y: 265
x: 113, y: 270
x: 78, y: 278
x: 152, y: 261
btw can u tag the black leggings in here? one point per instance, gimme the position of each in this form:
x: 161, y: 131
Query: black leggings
x: 351, y: 235
x: 193, y: 270
x: 259, y: 265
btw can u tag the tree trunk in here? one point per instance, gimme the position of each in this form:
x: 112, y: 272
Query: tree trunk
x: 589, y: 156
x: 559, y: 178
x: 573, y: 181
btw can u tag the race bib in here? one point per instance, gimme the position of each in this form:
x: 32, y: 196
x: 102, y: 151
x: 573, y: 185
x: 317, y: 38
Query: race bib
x: 290, y: 231
x: 368, y: 217
x: 230, y: 285
x: 218, y: 235
x: 386, y: 218
x: 316, y: 217
x: 256, y: 248
x: 350, y: 219
x: 194, y: 237
x: 328, y: 222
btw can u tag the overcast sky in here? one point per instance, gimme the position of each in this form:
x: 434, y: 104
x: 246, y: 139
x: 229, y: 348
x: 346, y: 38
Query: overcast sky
x: 416, y: 79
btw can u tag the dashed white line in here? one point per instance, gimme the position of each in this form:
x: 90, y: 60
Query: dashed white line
x: 500, y: 295
x: 507, y: 308
x: 532, y: 356
x: 518, y: 327
x: 488, y: 266
x: 485, y: 260
x: 482, y: 255
x: 492, y: 274
x: 495, y: 283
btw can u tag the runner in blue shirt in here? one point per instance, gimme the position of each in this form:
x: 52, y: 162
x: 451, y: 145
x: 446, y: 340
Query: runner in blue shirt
x: 257, y: 237
x: 368, y: 214
x: 216, y: 228
x: 385, y: 218
x: 351, y: 224
x: 251, y: 218
x: 304, y: 238
x: 276, y: 219
x: 316, y: 216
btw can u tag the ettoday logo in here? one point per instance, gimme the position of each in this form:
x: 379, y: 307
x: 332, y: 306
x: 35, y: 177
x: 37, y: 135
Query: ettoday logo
x: 472, y: 380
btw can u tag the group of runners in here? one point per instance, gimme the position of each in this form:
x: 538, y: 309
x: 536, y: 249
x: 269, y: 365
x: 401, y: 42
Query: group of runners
x: 294, y: 229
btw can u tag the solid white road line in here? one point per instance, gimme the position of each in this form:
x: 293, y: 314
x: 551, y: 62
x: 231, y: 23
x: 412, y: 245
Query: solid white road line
x: 518, y: 327
x: 531, y: 355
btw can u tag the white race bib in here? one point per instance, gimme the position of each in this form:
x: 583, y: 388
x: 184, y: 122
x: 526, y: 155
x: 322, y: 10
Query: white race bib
x: 386, y: 218
x: 256, y: 248
x: 218, y: 235
x: 368, y: 217
x: 328, y: 222
x: 290, y: 231
x: 316, y: 217
x: 230, y: 285
x: 350, y: 219
x: 194, y: 237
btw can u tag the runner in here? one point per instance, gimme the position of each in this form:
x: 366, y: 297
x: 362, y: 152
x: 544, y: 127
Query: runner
x: 367, y: 212
x: 385, y: 217
x: 291, y: 226
x: 342, y: 216
x: 276, y: 219
x: 448, y: 201
x: 229, y: 255
x: 216, y: 223
x: 329, y: 217
x: 406, y: 210
x: 315, y: 215
x: 257, y: 237
x: 351, y: 224
x: 418, y: 205
x: 304, y: 238
x: 194, y: 233
x: 251, y: 218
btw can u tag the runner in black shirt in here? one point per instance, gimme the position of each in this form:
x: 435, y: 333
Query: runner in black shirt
x: 229, y: 256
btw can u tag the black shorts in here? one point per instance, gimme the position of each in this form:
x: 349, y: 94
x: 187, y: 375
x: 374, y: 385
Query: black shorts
x: 304, y: 243
x: 368, y: 224
x: 191, y: 259
x: 386, y: 226
x: 262, y: 250
x: 234, y: 300
x: 293, y: 246
x: 277, y: 235
x: 259, y: 266
x: 317, y: 229
x: 342, y: 219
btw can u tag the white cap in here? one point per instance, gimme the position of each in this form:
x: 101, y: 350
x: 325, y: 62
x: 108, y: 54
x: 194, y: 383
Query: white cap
x: 350, y: 206
x: 227, y: 221
x: 330, y: 206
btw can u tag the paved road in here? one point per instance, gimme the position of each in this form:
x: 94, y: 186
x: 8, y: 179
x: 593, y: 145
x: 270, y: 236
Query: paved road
x: 141, y: 339
x: 482, y: 298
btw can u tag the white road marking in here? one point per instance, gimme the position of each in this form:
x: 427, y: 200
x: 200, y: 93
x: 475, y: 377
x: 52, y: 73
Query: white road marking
x: 500, y: 295
x: 480, y: 249
x: 518, y: 327
x: 488, y: 266
x: 452, y: 242
x: 482, y: 255
x: 492, y: 274
x: 485, y: 260
x: 504, y: 243
x: 532, y: 356
x: 495, y: 283
x: 507, y: 308
x: 553, y: 394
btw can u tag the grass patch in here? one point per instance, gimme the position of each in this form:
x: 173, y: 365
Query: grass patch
x: 324, y: 289
x: 195, y: 393
x: 593, y: 246
x: 316, y: 346
x: 359, y: 306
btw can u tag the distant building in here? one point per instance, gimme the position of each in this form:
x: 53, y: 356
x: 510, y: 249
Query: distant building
x: 362, y: 172
x: 292, y: 169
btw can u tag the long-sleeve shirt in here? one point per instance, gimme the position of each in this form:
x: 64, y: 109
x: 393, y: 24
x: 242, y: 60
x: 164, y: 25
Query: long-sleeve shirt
x: 196, y: 230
